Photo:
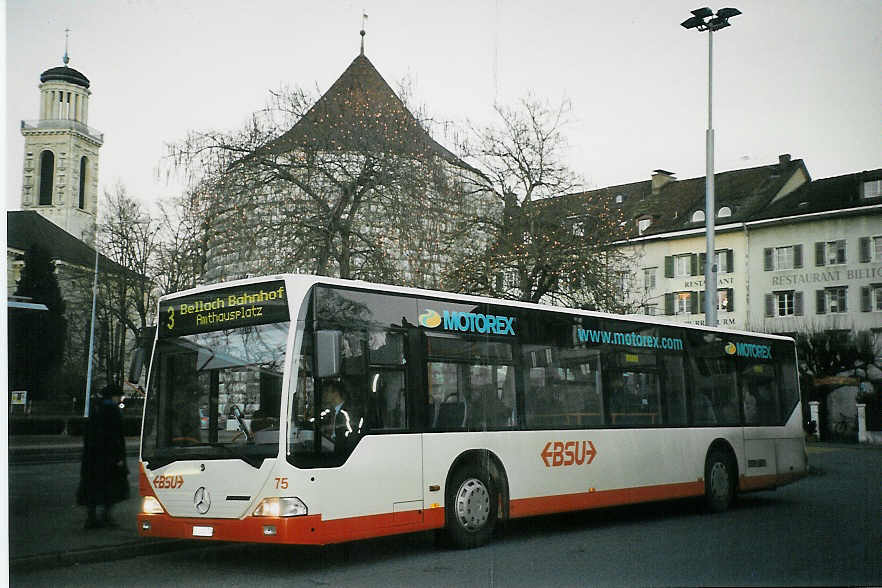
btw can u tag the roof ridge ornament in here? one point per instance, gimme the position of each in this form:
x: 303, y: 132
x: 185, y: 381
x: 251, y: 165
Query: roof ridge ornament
x: 66, y: 59
x: 364, y: 18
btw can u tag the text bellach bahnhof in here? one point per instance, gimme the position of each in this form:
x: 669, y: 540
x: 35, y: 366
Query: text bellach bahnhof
x: 226, y: 308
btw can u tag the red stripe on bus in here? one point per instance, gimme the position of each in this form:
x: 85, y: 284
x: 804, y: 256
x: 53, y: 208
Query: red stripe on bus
x: 525, y: 507
x: 312, y: 530
x: 144, y: 487
x: 307, y: 530
x: 750, y: 483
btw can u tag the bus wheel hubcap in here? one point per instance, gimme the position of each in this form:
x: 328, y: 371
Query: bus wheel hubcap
x: 472, y: 504
x: 719, y: 481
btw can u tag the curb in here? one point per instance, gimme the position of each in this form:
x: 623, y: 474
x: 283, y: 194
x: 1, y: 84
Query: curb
x: 105, y: 553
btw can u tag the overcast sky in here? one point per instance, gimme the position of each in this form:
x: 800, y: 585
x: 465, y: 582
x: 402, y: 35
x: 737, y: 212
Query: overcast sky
x: 790, y: 76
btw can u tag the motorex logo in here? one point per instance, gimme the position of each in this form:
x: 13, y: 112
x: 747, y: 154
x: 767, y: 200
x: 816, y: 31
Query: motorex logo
x: 430, y: 319
x: 468, y: 322
x: 750, y: 350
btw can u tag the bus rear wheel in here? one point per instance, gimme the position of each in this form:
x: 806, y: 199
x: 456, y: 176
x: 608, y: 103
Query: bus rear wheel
x: 471, y: 507
x: 719, y: 481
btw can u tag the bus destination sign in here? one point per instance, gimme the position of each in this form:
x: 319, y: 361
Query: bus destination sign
x: 227, y: 308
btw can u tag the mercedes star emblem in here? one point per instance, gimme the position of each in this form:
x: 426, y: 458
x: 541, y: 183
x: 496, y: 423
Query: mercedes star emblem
x: 202, y: 500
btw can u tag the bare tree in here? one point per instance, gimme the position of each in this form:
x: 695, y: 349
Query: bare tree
x: 350, y: 185
x: 543, y: 246
x: 128, y: 237
x: 179, y: 260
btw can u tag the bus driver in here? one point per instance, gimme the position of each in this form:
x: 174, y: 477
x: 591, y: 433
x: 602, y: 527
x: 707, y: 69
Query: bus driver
x: 339, y: 422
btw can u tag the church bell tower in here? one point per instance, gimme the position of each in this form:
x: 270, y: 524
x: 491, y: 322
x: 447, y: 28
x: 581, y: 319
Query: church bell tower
x: 60, y: 179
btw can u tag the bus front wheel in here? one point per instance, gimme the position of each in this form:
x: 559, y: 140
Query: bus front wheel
x: 719, y: 481
x: 471, y: 507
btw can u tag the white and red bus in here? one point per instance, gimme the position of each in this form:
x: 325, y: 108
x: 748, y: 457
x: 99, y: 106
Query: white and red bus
x: 310, y: 410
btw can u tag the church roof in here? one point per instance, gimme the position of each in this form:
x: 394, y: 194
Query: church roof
x: 25, y: 228
x: 64, y: 74
x: 360, y: 112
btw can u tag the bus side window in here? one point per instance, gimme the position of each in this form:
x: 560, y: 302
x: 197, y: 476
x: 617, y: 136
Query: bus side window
x: 759, y: 392
x: 674, y: 390
x: 447, y: 401
x: 386, y: 400
x: 714, y: 381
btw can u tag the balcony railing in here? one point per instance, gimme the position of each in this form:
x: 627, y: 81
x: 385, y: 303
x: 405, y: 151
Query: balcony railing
x: 53, y: 124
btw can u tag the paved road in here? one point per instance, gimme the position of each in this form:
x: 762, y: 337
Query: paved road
x: 825, y: 530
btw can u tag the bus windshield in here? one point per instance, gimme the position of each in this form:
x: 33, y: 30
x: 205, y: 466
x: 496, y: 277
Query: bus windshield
x: 216, y: 395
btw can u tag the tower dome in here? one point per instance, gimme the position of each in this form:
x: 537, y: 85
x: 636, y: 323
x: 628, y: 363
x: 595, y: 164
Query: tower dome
x: 64, y: 74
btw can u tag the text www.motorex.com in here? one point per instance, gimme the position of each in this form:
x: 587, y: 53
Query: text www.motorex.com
x: 629, y: 339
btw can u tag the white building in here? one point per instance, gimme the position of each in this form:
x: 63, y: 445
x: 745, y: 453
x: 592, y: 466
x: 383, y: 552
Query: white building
x: 793, y: 255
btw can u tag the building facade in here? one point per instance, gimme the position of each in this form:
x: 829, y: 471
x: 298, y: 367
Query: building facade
x: 793, y: 254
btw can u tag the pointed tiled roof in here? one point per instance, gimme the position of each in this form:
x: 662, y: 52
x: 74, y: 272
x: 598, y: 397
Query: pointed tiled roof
x: 360, y: 112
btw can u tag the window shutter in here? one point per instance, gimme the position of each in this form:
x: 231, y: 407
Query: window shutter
x: 693, y: 301
x: 702, y: 302
x: 844, y: 300
x: 864, y: 246
x: 797, y: 256
x: 730, y: 299
x: 767, y: 259
x: 797, y: 303
x: 865, y: 299
x: 669, y: 303
x: 819, y: 254
x: 730, y: 259
x: 702, y: 262
x: 693, y: 265
x: 669, y: 267
x: 770, y: 305
x: 820, y: 307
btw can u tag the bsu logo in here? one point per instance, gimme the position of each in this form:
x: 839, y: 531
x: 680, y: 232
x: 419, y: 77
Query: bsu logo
x: 567, y: 453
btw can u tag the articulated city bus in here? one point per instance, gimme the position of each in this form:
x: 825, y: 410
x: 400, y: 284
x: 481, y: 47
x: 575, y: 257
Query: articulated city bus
x: 310, y: 410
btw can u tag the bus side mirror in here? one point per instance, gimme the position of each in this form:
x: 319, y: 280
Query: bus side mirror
x: 145, y: 344
x: 137, y: 365
x: 328, y: 352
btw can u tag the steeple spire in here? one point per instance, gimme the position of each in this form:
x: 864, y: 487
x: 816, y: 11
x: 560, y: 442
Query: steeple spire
x: 66, y: 59
x: 364, y: 17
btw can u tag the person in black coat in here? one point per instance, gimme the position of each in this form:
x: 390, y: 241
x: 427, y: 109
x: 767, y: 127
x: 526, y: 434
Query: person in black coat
x: 103, y: 472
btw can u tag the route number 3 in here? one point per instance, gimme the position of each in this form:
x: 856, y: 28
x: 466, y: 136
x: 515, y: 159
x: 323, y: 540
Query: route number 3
x: 282, y: 483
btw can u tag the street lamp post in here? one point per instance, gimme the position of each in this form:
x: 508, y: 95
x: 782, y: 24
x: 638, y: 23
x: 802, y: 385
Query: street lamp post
x: 717, y: 21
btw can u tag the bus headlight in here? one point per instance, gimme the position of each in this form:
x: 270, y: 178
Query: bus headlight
x: 287, y: 506
x: 151, y: 506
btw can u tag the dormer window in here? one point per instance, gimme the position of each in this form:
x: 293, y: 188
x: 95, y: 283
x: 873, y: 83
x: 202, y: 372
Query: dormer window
x: 643, y: 224
x: 873, y: 189
x: 724, y: 212
x: 620, y: 198
x: 698, y: 216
